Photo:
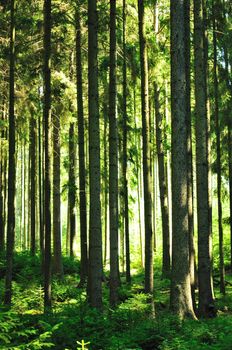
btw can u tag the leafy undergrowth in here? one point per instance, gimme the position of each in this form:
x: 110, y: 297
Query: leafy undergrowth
x: 128, y: 327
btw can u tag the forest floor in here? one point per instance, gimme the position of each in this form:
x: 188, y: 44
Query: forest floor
x: 128, y: 327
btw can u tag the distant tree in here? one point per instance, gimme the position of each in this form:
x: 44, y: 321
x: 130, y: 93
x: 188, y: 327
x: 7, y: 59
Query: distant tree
x: 95, y: 234
x: 163, y: 186
x: 147, y: 179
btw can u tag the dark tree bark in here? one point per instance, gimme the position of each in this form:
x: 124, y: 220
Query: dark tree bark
x: 192, y: 263
x: 113, y: 162
x: 47, y: 155
x: 57, y: 244
x: 33, y: 183
x: 11, y: 164
x: 218, y: 161
x: 40, y: 189
x: 162, y: 186
x: 180, y: 298
x: 147, y: 179
x: 95, y: 234
x: 202, y: 165
x: 124, y: 151
x: 81, y: 150
x: 72, y: 188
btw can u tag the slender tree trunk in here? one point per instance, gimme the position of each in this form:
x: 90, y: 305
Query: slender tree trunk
x: 40, y: 188
x: 57, y: 234
x: 2, y: 233
x: 147, y: 180
x: 162, y: 186
x: 95, y: 234
x: 105, y: 189
x: 81, y: 149
x: 47, y: 146
x: 229, y: 138
x: 32, y: 182
x: 218, y: 146
x: 206, y: 303
x: 180, y: 298
x: 137, y: 142
x: 189, y: 152
x: 11, y: 164
x: 72, y: 189
x: 113, y: 162
x: 124, y: 150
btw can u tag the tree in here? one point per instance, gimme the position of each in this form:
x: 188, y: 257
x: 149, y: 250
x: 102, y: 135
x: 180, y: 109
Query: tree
x: 81, y: 150
x: 33, y: 181
x: 147, y: 179
x: 218, y: 145
x: 95, y: 235
x: 163, y: 186
x: 125, y: 202
x: 47, y: 177
x: 57, y: 250
x: 11, y: 163
x: 203, y: 214
x: 72, y: 188
x: 113, y: 162
x: 180, y: 298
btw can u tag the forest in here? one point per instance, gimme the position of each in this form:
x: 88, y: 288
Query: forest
x: 115, y: 174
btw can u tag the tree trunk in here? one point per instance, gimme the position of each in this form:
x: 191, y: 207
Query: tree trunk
x: 47, y: 147
x: 32, y: 182
x: 180, y: 298
x: 124, y: 151
x: 11, y: 164
x: 218, y: 147
x: 81, y: 150
x: 189, y: 152
x: 57, y: 234
x: 147, y: 179
x: 72, y: 189
x: 95, y: 234
x: 113, y: 162
x: 162, y: 186
x: 206, y: 303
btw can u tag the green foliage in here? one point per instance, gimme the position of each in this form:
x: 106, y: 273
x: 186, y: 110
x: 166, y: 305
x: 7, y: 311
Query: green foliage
x: 129, y: 326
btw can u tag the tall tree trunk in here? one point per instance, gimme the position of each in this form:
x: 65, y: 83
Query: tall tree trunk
x: 189, y: 151
x: 95, y: 234
x: 147, y: 179
x: 40, y: 189
x: 162, y: 186
x: 57, y: 234
x: 124, y: 151
x: 206, y: 302
x: 81, y: 149
x: 2, y: 233
x: 180, y: 298
x: 229, y: 135
x: 72, y: 189
x: 105, y: 188
x: 32, y: 182
x: 47, y: 146
x: 113, y: 162
x: 218, y: 146
x: 11, y: 164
